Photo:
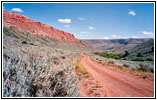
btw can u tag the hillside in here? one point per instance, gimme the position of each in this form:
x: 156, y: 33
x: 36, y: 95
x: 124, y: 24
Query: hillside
x: 146, y: 48
x: 113, y: 45
x: 33, y: 27
x: 37, y: 61
x: 140, y: 55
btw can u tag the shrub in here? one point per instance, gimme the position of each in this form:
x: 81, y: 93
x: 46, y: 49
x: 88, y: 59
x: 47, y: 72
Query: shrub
x: 139, y: 55
x: 104, y: 54
x: 24, y: 42
x: 108, y: 55
x: 137, y: 59
x: 126, y: 54
x: 149, y: 58
x: 117, y: 57
x: 26, y: 77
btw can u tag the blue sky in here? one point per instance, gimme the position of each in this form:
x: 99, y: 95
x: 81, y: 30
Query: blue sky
x: 92, y: 20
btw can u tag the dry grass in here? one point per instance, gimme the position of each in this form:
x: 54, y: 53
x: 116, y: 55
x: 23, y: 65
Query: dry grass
x: 80, y: 67
x: 81, y: 71
x: 125, y: 68
x: 142, y: 74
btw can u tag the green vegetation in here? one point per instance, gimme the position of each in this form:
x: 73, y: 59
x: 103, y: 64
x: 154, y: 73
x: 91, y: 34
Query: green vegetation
x: 125, y: 56
x: 25, y: 33
x: 109, y: 55
x: 113, y: 55
x: 137, y: 59
x: 9, y: 33
x: 149, y: 58
x: 24, y: 42
x: 139, y: 55
x: 3, y: 47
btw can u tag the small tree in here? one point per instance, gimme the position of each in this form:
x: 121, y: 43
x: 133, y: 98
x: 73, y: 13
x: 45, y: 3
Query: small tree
x: 126, y: 54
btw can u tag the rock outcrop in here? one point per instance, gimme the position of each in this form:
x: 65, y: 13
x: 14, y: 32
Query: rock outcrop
x: 37, y: 28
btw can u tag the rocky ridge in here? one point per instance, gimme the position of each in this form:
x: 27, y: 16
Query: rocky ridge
x: 37, y: 28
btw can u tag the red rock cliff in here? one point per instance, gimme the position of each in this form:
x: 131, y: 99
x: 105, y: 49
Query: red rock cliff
x: 37, y: 28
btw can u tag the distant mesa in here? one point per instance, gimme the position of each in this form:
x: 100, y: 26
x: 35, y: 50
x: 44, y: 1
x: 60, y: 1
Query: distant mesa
x: 37, y: 28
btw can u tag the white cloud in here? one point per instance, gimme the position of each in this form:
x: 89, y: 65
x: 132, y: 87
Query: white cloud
x: 84, y: 32
x: 105, y: 37
x: 124, y: 37
x: 67, y: 26
x: 132, y: 13
x: 64, y: 20
x: 134, y: 36
x: 91, y: 28
x: 81, y: 18
x: 17, y: 9
x: 115, y: 37
x: 147, y: 33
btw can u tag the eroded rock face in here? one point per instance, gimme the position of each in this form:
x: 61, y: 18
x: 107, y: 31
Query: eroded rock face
x: 37, y: 28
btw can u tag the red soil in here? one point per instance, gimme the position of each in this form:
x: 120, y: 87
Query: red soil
x: 115, y: 83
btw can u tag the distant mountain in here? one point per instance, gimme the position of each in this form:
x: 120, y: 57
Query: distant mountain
x: 113, y: 45
x: 21, y: 22
x: 146, y: 48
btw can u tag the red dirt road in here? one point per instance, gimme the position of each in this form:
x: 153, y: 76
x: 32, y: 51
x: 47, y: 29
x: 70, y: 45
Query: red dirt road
x: 117, y: 83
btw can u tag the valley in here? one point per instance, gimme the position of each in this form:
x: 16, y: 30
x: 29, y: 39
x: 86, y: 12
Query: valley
x: 42, y: 61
